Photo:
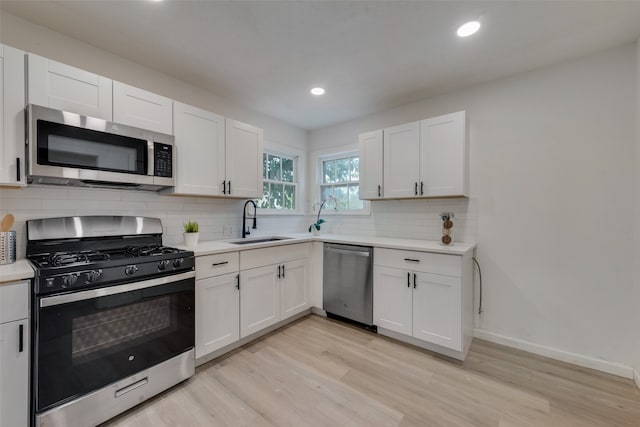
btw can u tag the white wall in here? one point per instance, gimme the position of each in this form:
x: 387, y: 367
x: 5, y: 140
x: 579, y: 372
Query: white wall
x: 552, y: 181
x: 212, y: 214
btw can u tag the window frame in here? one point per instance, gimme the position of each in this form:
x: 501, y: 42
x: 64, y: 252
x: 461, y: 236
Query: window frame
x: 299, y: 160
x: 333, y: 154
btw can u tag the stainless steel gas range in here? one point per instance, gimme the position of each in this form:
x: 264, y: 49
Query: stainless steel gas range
x: 113, y: 316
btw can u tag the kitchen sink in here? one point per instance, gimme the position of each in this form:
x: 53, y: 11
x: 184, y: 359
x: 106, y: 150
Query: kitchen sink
x: 258, y: 240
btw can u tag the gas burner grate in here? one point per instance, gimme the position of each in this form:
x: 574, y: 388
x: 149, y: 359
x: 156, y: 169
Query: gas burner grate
x: 66, y: 258
x: 147, y: 250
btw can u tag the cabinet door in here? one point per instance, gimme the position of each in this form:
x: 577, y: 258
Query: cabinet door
x: 443, y: 155
x: 294, y: 296
x: 55, y: 85
x: 217, y: 313
x: 137, y: 107
x: 12, y: 103
x: 437, y: 305
x: 402, y: 160
x: 199, y: 145
x: 259, y: 299
x: 244, y: 160
x: 392, y: 290
x: 370, y: 145
x: 14, y: 373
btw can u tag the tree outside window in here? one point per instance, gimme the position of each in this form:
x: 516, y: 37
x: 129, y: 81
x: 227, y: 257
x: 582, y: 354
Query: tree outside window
x: 340, y: 179
x: 279, y: 182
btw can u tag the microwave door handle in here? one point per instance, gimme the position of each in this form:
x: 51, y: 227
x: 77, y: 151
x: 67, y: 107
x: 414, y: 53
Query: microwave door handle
x: 150, y: 158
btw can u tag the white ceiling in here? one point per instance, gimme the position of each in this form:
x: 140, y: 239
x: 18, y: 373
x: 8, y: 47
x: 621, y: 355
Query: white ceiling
x: 370, y: 56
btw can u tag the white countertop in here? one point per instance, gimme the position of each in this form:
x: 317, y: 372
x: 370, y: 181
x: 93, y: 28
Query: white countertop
x: 220, y: 246
x: 19, y: 270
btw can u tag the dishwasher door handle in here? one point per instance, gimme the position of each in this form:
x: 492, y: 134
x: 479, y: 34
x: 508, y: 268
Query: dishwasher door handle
x: 348, y: 252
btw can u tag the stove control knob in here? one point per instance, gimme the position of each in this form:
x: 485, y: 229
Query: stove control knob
x: 163, y: 264
x: 93, y: 275
x: 130, y: 269
x: 177, y: 262
x: 69, y: 280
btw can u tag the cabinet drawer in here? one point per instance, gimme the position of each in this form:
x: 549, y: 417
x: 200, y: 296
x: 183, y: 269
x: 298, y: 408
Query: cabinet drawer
x: 273, y: 255
x: 14, y: 301
x: 215, y: 265
x: 427, y: 262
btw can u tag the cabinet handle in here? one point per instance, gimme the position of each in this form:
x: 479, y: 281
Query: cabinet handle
x: 283, y: 271
x: 21, y: 338
x: 408, y: 280
x: 224, y: 187
x: 237, y: 281
x: 414, y: 280
x: 416, y: 189
x: 379, y: 191
x: 215, y: 264
x: 421, y: 188
x: 229, y: 187
x: 412, y: 260
x: 279, y: 274
x: 18, y: 169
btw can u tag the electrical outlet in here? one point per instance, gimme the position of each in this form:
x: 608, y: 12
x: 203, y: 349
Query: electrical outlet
x: 227, y: 231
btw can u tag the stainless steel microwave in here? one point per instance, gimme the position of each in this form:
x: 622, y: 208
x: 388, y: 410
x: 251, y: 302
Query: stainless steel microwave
x: 66, y: 148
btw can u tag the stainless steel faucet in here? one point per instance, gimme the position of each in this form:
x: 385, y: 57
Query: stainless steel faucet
x: 245, y: 229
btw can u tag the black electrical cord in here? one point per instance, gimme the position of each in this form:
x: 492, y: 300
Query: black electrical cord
x: 480, y: 277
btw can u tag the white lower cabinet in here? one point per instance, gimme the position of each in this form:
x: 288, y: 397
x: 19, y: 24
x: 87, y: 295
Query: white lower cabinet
x: 411, y: 300
x: 217, y: 313
x: 217, y: 302
x: 274, y: 285
x: 14, y: 354
x: 294, y: 295
x: 392, y: 299
x: 259, y: 299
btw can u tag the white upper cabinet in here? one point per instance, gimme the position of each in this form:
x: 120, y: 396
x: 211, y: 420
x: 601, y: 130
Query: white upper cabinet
x: 443, y: 155
x: 55, y: 85
x: 370, y: 145
x: 419, y: 159
x: 137, y: 107
x: 401, y: 160
x: 200, y: 153
x: 243, y: 160
x: 12, y: 103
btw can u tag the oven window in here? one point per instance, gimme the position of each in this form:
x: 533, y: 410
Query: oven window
x: 95, y: 333
x: 84, y: 345
x: 70, y: 146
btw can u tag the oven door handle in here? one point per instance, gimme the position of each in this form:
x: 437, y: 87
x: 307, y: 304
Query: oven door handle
x: 112, y: 290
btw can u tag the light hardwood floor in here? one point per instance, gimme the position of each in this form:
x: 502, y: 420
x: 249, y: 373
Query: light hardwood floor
x: 318, y: 372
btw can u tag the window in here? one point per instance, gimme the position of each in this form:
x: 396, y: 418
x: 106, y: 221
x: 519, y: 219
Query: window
x: 340, y: 175
x: 279, y: 182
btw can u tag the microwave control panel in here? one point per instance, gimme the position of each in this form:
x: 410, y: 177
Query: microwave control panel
x: 163, y: 160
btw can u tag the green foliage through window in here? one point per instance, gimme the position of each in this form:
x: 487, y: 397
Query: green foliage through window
x: 279, y: 182
x: 340, y: 179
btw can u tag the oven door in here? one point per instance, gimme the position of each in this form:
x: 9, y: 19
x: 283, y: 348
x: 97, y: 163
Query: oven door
x: 88, y: 339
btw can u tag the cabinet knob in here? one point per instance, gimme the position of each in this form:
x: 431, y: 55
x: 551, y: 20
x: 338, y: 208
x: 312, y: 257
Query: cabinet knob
x: 416, y: 188
x: 379, y: 191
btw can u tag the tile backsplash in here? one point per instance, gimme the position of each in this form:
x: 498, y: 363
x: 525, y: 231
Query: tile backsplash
x: 213, y: 215
x: 410, y: 219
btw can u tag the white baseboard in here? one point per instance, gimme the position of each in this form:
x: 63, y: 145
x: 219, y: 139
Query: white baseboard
x: 636, y: 378
x: 564, y: 356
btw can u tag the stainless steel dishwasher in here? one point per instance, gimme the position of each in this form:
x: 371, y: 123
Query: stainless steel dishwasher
x: 348, y: 282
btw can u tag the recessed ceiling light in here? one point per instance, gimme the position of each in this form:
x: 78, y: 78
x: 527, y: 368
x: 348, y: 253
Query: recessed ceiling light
x: 468, y: 29
x: 317, y: 91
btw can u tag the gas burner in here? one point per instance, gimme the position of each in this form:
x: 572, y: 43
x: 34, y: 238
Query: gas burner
x: 147, y: 250
x: 66, y: 258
